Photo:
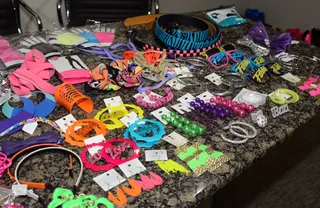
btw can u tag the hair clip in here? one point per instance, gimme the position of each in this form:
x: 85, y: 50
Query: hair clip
x: 257, y: 49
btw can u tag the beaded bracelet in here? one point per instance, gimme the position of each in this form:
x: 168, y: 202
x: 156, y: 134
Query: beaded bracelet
x: 31, y: 120
x: 184, y: 124
x: 158, y: 101
x: 212, y: 109
x: 140, y: 130
x: 76, y: 138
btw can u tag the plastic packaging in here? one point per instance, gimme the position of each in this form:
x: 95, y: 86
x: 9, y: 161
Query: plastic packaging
x: 225, y: 16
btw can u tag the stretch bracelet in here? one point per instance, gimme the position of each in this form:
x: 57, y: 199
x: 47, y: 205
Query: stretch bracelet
x: 158, y: 102
x: 140, y: 130
x: 76, y: 138
x: 115, y: 113
x: 31, y: 120
x: 278, y: 99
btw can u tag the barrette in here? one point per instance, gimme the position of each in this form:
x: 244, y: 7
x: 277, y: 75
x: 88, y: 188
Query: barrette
x: 258, y: 50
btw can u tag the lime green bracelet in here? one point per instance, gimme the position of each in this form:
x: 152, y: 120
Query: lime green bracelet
x: 278, y: 100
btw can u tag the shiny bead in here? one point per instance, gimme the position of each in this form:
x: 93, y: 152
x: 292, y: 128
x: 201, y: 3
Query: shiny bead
x: 186, y: 129
x: 175, y: 123
x: 235, y: 108
x: 228, y: 112
x: 243, y: 106
x: 250, y: 108
x: 214, y: 113
x: 172, y: 114
x: 202, y: 108
x: 193, y: 133
x: 201, y: 131
x: 219, y: 109
x: 198, y: 100
x: 212, y: 100
x: 234, y: 103
x: 192, y: 103
x: 201, y: 102
x: 187, y: 122
x: 183, y: 120
x: 222, y: 115
x: 180, y: 125
x: 213, y: 106
x: 224, y: 103
x: 218, y: 97
x: 229, y: 105
x: 222, y: 99
x: 197, y: 107
x: 164, y: 117
x: 208, y: 105
x: 242, y: 113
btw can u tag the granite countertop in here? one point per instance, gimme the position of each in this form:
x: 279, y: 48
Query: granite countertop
x: 178, y: 190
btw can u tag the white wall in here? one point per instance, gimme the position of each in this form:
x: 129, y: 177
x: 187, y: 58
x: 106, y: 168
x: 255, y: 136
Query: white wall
x: 48, y: 11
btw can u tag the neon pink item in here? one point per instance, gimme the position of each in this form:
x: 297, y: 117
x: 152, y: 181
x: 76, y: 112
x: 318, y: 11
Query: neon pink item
x: 95, y: 158
x: 5, y: 163
x: 148, y: 183
x: 307, y: 84
x: 104, y: 38
x: 316, y: 91
x: 75, y: 76
x: 34, y: 73
x: 117, y: 160
x: 8, y: 55
x: 159, y: 101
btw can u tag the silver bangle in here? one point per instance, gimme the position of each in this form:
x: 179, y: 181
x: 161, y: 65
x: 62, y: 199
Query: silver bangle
x: 236, y: 141
x: 246, y: 136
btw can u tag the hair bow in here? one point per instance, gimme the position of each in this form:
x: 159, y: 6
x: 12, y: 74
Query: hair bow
x: 257, y: 49
x: 259, y: 34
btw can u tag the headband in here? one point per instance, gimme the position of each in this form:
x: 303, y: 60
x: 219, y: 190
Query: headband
x: 31, y: 120
x: 46, y: 149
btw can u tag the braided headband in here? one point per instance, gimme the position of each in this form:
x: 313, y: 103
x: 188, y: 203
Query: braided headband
x: 31, y: 120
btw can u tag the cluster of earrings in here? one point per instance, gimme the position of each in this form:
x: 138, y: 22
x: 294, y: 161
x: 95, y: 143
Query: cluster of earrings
x: 239, y: 109
x: 184, y: 124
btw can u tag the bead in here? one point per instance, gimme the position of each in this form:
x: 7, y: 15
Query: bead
x: 242, y: 113
x: 224, y: 103
x: 187, y: 122
x: 234, y: 103
x: 229, y: 105
x: 193, y: 133
x: 198, y: 100
x: 243, y: 106
x: 164, y: 117
x: 222, y: 99
x: 202, y: 108
x: 172, y: 114
x: 207, y: 110
x: 192, y: 103
x: 208, y: 105
x: 201, y: 102
x: 185, y: 129
x: 218, y: 97
x: 213, y: 106
x: 214, y: 113
x: 212, y: 100
x: 222, y: 115
x: 197, y: 107
x: 175, y: 123
x: 180, y: 125
x: 219, y: 109
x: 235, y: 108
x: 250, y: 108
x: 228, y: 112
x: 201, y: 130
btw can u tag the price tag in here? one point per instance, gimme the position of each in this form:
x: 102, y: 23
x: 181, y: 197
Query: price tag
x: 30, y: 127
x: 159, y: 113
x: 113, y: 101
x: 19, y: 189
x: 175, y: 139
x: 214, y: 78
x: 65, y: 122
x: 92, y: 140
x: 175, y: 84
x: 187, y: 98
x: 129, y: 119
x: 109, y: 179
x: 132, y: 167
x: 154, y: 155
x: 183, y: 72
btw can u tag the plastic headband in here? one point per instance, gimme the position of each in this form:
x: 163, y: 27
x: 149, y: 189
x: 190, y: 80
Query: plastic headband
x: 140, y: 129
x: 31, y: 120
x: 115, y: 113
x: 76, y: 138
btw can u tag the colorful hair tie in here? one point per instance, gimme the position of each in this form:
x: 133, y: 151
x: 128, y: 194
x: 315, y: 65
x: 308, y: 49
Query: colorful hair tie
x: 130, y: 73
x: 103, y: 79
x: 115, y: 113
x: 67, y: 95
x: 76, y: 138
x: 278, y: 99
x: 158, y: 102
x: 31, y: 120
x: 140, y: 130
x: 184, y: 124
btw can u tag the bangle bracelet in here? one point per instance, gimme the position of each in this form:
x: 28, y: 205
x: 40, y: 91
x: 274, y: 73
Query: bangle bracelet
x: 245, y: 136
x: 31, y: 120
x: 274, y: 97
x: 76, y: 138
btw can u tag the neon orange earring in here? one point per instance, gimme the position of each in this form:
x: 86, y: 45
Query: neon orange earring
x: 134, y: 191
x: 122, y: 199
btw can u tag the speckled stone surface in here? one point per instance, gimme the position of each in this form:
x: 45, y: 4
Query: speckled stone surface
x: 178, y: 190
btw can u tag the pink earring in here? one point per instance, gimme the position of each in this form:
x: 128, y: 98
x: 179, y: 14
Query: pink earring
x: 307, y: 84
x: 148, y: 183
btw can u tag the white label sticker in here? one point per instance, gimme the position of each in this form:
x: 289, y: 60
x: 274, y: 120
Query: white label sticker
x: 175, y: 84
x: 159, y: 113
x: 175, y: 139
x: 132, y: 167
x: 181, y: 108
x: 113, y: 101
x: 92, y: 140
x: 30, y: 127
x: 154, y: 155
x: 19, y: 189
x: 109, y: 179
x: 66, y: 121
x: 187, y: 98
x: 129, y: 119
x: 214, y: 78
x: 205, y: 96
x: 183, y: 72
x: 291, y: 78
